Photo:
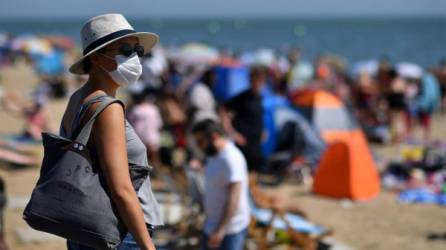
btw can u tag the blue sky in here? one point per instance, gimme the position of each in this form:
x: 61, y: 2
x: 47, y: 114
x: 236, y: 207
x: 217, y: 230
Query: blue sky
x: 221, y: 8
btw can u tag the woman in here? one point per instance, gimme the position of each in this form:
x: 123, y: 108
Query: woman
x: 110, y: 58
x: 396, y: 101
x: 145, y: 118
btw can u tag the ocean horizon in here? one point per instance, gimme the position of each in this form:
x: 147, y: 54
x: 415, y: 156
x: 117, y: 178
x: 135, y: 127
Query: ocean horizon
x: 414, y: 39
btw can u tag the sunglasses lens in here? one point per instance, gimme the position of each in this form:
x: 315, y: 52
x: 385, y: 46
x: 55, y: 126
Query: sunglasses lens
x: 126, y: 50
x: 139, y: 50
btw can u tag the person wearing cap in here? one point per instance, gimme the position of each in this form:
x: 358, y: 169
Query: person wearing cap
x: 111, y: 59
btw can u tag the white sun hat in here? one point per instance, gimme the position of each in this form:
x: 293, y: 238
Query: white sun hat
x: 102, y: 30
x: 409, y: 70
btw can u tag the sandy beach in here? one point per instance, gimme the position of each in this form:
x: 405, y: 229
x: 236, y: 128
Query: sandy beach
x: 382, y: 223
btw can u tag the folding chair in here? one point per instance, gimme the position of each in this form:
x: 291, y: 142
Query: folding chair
x: 302, y: 233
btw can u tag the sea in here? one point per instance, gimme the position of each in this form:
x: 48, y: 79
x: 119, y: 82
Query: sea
x: 418, y: 40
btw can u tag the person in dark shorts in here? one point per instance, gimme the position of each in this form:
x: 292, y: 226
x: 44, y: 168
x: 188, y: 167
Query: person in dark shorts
x: 396, y: 101
x: 245, y: 122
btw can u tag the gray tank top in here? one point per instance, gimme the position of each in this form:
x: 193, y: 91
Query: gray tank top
x: 137, y: 155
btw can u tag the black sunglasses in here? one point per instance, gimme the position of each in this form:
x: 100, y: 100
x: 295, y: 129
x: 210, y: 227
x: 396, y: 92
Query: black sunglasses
x: 126, y: 50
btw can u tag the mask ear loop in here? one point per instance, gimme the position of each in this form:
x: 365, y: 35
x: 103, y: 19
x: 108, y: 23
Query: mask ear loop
x: 108, y: 57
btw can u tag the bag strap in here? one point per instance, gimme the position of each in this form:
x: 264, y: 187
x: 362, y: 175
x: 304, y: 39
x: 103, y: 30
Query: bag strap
x: 84, y: 134
x: 79, y: 115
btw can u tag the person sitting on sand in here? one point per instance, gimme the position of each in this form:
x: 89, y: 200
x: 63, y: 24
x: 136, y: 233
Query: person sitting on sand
x: 17, y: 158
x: 37, y: 116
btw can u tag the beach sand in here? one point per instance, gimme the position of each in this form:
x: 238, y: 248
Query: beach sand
x: 382, y: 223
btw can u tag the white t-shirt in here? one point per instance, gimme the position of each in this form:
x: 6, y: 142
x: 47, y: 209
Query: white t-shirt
x: 227, y: 167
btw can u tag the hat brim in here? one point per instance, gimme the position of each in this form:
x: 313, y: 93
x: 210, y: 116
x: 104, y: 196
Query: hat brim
x: 146, y: 39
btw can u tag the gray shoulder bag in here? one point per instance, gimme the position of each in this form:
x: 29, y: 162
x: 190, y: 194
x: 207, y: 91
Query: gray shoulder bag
x: 71, y: 198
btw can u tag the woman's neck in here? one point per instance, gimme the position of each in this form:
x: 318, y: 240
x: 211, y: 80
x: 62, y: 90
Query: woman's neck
x: 100, y: 82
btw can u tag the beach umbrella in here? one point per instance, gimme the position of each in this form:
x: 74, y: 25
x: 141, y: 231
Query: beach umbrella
x: 369, y: 66
x: 32, y: 45
x: 265, y: 57
x: 37, y: 46
x: 300, y: 75
x: 17, y: 43
x: 283, y: 64
x: 198, y: 53
x: 63, y: 42
x: 4, y: 39
x: 409, y: 70
x: 247, y: 58
x: 157, y: 63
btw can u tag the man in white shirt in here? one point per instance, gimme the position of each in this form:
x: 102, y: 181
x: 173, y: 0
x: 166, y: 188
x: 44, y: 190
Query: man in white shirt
x: 226, y: 188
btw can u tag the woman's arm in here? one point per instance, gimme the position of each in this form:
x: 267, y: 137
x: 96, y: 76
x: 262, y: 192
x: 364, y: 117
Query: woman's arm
x: 109, y: 138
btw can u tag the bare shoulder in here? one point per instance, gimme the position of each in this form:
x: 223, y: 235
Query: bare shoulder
x: 114, y: 112
x: 109, y: 126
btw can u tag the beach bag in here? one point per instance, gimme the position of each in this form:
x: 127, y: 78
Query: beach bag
x: 71, y: 198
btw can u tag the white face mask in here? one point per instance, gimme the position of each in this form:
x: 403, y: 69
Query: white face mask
x: 128, y: 69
